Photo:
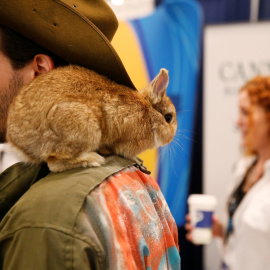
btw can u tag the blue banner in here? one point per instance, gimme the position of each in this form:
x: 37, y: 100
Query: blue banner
x: 171, y: 39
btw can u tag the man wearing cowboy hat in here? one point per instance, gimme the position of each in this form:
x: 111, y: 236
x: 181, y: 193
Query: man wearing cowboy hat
x: 111, y: 217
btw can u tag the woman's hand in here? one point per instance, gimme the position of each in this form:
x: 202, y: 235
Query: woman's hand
x: 217, y: 228
x: 189, y: 228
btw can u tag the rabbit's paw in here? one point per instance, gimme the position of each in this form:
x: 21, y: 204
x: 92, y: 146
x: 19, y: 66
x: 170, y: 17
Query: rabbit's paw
x: 91, y: 159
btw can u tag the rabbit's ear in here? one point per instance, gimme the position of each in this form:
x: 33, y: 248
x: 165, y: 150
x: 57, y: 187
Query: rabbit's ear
x: 159, y: 86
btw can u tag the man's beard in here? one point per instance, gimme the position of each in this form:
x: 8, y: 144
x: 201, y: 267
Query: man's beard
x: 6, y: 98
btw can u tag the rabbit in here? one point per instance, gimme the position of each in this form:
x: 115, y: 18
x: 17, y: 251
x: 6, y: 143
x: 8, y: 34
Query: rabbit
x: 71, y: 116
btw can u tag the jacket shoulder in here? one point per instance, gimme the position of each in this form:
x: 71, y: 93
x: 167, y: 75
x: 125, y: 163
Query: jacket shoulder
x: 44, y: 222
x: 56, y: 199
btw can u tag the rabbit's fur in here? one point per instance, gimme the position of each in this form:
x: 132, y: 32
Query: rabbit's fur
x: 70, y: 115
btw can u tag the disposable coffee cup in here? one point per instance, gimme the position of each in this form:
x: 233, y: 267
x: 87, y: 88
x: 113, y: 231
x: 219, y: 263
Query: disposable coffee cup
x: 201, y: 209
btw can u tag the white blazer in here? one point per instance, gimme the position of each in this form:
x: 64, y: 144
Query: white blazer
x: 248, y: 247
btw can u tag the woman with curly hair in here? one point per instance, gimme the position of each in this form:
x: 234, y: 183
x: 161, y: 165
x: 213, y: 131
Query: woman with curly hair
x: 246, y: 234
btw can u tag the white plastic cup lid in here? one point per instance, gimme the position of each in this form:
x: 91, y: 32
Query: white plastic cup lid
x: 202, y: 199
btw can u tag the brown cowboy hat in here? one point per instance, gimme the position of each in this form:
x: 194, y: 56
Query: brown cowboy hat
x: 79, y: 31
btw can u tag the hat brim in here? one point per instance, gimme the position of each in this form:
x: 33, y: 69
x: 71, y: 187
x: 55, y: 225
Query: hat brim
x: 62, y: 30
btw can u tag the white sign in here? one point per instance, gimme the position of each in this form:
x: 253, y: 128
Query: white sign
x: 233, y: 54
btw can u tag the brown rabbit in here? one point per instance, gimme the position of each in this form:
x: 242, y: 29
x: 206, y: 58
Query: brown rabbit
x: 71, y: 114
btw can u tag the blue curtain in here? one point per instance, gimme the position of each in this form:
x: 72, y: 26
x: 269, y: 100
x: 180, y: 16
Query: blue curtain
x: 264, y: 10
x: 225, y: 11
x: 220, y: 11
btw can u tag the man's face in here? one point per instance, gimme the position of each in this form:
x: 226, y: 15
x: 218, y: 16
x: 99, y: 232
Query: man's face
x: 10, y: 83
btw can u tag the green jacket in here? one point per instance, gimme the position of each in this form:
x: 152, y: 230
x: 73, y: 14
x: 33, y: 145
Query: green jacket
x: 56, y: 220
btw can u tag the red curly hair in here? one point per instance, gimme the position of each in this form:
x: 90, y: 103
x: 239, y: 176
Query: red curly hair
x: 258, y: 90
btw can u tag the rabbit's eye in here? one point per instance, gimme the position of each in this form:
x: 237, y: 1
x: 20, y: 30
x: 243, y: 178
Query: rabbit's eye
x: 168, y: 117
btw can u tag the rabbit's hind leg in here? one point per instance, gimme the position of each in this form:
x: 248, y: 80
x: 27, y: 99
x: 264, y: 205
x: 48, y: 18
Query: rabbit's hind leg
x: 91, y: 159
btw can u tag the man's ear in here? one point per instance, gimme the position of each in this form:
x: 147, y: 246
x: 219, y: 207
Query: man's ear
x: 42, y: 63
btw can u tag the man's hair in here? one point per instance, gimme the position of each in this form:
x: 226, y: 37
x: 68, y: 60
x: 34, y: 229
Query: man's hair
x: 21, y: 50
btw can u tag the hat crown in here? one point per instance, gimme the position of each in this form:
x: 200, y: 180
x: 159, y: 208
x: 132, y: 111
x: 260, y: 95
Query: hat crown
x: 78, y: 31
x: 98, y: 12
